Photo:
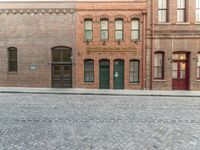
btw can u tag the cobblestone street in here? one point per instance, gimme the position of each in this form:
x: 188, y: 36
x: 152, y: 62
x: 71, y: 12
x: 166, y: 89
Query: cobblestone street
x: 73, y: 122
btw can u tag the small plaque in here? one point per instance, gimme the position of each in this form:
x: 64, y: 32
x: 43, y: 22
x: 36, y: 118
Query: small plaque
x: 33, y: 67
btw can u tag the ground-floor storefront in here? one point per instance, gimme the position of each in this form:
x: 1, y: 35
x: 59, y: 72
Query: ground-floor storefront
x: 176, y: 66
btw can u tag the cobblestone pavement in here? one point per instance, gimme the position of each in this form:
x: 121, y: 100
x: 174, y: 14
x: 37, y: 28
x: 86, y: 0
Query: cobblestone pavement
x: 69, y: 122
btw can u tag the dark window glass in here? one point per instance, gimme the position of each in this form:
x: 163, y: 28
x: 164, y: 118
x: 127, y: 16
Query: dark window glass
x: 61, y: 54
x: 89, y: 71
x: 198, y: 67
x: 158, y: 65
x: 12, y: 60
x: 134, y: 71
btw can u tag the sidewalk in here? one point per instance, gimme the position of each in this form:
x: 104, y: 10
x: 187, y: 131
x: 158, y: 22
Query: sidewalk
x: 99, y: 92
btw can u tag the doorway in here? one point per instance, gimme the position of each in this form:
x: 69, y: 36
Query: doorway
x: 104, y: 74
x: 61, y: 67
x: 118, y: 74
x: 180, y: 71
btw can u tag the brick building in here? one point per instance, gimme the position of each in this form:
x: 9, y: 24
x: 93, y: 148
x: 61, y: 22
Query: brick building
x: 111, y: 44
x: 173, y: 44
x: 31, y: 32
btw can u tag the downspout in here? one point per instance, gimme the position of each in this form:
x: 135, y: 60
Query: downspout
x: 152, y: 44
x: 144, y: 52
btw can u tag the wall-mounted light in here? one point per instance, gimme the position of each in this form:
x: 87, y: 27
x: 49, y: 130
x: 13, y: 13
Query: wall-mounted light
x: 196, y: 59
x: 170, y: 59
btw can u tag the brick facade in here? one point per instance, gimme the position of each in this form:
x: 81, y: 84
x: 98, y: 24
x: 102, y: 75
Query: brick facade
x: 127, y: 50
x: 34, y: 28
x: 173, y: 37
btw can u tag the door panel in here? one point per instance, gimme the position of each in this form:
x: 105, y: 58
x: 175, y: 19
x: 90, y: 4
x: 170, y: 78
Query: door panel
x: 104, y: 75
x: 119, y: 74
x: 180, y: 74
x: 62, y: 76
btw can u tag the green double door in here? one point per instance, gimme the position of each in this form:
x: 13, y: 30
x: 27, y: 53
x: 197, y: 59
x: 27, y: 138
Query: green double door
x: 104, y: 74
x: 118, y: 74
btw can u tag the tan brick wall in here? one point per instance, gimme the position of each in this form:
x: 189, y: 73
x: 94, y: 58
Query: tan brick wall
x: 34, y: 35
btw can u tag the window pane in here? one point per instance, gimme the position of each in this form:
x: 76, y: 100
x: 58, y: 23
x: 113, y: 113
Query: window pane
x: 197, y: 3
x: 119, y: 35
x: 180, y: 15
x: 134, y: 35
x: 104, y: 25
x: 118, y: 24
x: 88, y: 35
x: 67, y: 55
x: 162, y: 4
x: 135, y: 24
x: 89, y: 71
x: 13, y: 66
x: 13, y: 55
x: 134, y: 71
x: 88, y: 25
x: 162, y: 15
x: 57, y: 56
x: 198, y: 72
x: 104, y: 35
x: 198, y: 14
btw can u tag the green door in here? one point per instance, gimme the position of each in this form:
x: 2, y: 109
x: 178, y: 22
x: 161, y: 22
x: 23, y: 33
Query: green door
x: 104, y: 74
x: 118, y: 74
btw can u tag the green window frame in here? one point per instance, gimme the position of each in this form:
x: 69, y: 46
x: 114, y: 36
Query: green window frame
x: 119, y: 29
x: 12, y: 59
x: 88, y: 70
x: 135, y: 29
x: 88, y: 29
x: 134, y: 71
x: 104, y: 29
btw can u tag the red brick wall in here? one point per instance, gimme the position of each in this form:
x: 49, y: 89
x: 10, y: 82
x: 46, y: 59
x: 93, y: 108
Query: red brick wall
x: 96, y: 11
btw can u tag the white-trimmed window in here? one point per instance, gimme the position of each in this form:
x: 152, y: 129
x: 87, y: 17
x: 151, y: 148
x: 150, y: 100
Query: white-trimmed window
x: 181, y: 10
x: 162, y: 10
x: 198, y: 10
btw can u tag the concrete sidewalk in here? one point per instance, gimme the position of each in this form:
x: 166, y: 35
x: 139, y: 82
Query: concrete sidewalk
x: 99, y: 92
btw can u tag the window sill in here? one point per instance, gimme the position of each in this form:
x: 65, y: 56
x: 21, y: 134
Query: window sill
x: 159, y: 80
x: 134, y: 83
x: 136, y: 41
x: 198, y: 80
x: 164, y: 23
x: 118, y: 40
x: 88, y: 83
x: 14, y: 72
x: 197, y: 23
x: 183, y: 23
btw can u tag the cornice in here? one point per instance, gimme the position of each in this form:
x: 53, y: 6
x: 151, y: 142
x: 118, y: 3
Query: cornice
x: 38, y: 11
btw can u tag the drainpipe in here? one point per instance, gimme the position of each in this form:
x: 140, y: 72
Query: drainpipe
x: 152, y: 44
x: 144, y: 52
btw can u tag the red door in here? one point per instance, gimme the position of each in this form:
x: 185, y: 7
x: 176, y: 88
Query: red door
x: 180, y: 72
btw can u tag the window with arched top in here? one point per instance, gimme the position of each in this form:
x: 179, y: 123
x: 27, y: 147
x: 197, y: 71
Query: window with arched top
x: 12, y: 59
x: 88, y: 70
x: 88, y: 27
x: 135, y: 29
x: 104, y: 29
x: 134, y: 69
x: 119, y: 29
x: 158, y: 65
x: 198, y: 65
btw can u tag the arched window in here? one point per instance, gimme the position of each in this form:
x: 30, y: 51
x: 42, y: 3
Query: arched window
x: 88, y: 29
x: 104, y: 29
x: 119, y: 29
x: 158, y: 65
x: 134, y: 68
x: 89, y: 70
x: 198, y: 65
x: 12, y: 59
x: 135, y: 29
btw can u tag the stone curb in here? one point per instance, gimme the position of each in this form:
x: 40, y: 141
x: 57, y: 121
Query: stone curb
x: 103, y: 94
